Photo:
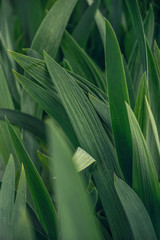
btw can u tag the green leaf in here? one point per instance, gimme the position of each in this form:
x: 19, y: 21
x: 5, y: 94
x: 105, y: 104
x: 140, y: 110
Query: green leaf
x: 5, y: 102
x: 20, y: 202
x: 82, y: 160
x: 138, y: 217
x: 50, y: 104
x: 37, y: 69
x: 49, y: 35
x: 135, y: 63
x: 7, y: 201
x: 154, y: 94
x: 139, y: 30
x: 25, y: 121
x: 100, y: 22
x: 157, y: 56
x: 41, y: 198
x: 153, y: 125
x: 84, y: 26
x: 83, y: 65
x: 34, y: 67
x: 145, y: 180
x: 103, y: 111
x: 88, y: 87
x: 75, y: 222
x: 129, y: 84
x: 140, y: 107
x: 24, y: 228
x: 118, y: 94
x: 94, y: 141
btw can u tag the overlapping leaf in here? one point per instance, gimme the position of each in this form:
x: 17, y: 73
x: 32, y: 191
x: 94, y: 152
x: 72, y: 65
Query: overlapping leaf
x: 76, y: 219
x: 94, y: 140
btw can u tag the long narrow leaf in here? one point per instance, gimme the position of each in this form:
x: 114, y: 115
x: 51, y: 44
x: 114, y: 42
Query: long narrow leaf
x: 41, y: 198
x: 7, y: 201
x: 49, y: 35
x: 118, y: 94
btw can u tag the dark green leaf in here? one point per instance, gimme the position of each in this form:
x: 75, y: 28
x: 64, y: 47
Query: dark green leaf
x: 49, y: 35
x: 139, y: 30
x: 138, y: 217
x: 83, y: 64
x: 118, y: 94
x: 140, y: 107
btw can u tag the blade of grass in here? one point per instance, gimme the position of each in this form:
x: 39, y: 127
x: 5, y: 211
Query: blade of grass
x: 40, y: 196
x: 20, y: 202
x: 7, y: 201
x: 140, y: 107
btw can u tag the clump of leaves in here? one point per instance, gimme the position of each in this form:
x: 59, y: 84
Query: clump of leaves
x: 79, y: 120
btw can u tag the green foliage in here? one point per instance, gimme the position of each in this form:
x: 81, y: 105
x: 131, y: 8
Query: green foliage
x: 81, y: 160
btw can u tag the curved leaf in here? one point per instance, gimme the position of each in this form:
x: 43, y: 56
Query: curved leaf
x: 138, y: 217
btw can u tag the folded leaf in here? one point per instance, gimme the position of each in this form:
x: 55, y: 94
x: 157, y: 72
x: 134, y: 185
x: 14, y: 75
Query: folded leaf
x: 82, y: 160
